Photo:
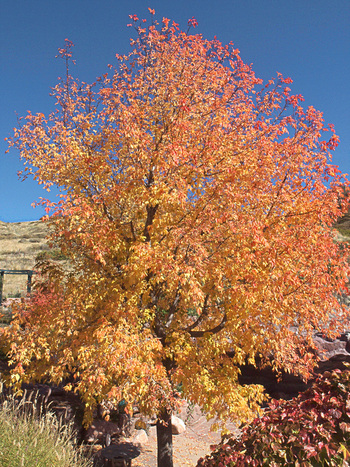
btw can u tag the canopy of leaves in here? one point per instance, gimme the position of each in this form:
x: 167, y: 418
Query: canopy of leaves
x: 196, y: 212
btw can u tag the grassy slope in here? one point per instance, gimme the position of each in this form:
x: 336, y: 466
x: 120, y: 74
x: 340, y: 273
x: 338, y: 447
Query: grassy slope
x: 343, y: 225
x: 20, y: 243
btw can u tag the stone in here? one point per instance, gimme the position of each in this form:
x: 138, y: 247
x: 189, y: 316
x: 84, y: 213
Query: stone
x: 177, y: 425
x: 330, y: 348
x: 332, y: 354
x: 100, y: 430
x: 140, y: 438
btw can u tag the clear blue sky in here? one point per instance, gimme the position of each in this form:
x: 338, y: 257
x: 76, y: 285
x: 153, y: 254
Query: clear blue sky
x: 307, y: 40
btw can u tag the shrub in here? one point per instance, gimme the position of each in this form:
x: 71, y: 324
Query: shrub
x: 344, y: 231
x: 15, y: 295
x: 55, y: 255
x: 29, y: 437
x: 312, y: 429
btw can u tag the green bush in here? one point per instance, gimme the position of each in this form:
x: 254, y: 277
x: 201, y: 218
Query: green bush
x: 29, y: 437
x: 55, y: 255
x: 312, y: 429
x: 15, y: 295
x: 344, y: 231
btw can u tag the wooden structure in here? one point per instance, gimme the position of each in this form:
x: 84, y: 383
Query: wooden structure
x: 119, y: 455
x: 28, y: 272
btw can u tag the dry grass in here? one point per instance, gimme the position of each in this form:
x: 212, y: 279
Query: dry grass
x: 29, y: 437
x: 343, y: 225
x: 20, y: 244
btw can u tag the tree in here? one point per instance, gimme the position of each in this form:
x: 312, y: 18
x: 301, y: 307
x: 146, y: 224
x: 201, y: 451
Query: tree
x: 196, y: 210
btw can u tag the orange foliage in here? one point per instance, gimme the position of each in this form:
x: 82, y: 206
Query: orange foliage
x: 197, y: 213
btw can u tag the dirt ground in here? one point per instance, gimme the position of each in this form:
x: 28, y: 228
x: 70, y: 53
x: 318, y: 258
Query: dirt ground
x: 189, y: 446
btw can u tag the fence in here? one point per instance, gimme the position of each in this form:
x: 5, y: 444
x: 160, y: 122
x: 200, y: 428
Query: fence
x: 28, y: 272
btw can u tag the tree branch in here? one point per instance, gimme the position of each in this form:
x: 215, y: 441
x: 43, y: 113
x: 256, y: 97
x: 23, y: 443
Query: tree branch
x: 151, y: 212
x: 173, y: 307
x: 215, y: 330
x: 204, y: 314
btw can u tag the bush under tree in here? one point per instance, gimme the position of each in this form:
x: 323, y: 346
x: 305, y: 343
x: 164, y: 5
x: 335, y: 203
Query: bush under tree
x: 312, y: 429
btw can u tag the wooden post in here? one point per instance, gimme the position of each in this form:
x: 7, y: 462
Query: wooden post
x: 29, y: 283
x: 29, y: 273
x: 1, y: 285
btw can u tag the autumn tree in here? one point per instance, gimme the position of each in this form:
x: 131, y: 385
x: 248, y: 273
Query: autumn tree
x: 196, y: 211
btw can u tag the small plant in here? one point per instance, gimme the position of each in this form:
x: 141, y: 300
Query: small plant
x: 29, y: 437
x: 55, y: 255
x: 15, y: 295
x: 344, y: 231
x: 312, y: 429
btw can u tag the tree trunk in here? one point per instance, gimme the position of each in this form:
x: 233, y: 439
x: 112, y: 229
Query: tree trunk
x: 164, y: 439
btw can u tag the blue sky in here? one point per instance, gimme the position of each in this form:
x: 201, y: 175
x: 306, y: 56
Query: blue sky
x: 307, y: 40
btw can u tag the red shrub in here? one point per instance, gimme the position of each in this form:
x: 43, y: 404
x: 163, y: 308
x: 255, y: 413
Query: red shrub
x: 312, y: 429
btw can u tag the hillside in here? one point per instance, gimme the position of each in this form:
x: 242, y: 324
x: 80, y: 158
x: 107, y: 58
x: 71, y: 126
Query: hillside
x: 343, y: 225
x: 20, y: 243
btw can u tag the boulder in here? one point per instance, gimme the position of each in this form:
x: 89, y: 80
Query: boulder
x: 140, y: 438
x: 330, y: 348
x: 332, y: 354
x: 177, y: 425
x: 100, y: 430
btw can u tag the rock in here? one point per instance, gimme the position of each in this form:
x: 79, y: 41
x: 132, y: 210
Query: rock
x: 332, y: 353
x: 330, y: 348
x: 285, y: 387
x: 100, y: 430
x: 177, y: 425
x: 140, y: 438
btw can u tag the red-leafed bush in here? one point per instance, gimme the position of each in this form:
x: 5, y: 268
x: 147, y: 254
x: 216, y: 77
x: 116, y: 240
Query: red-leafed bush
x: 312, y: 429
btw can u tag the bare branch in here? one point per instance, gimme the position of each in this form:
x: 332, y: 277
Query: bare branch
x: 215, y: 330
x: 204, y: 314
x: 173, y: 307
x: 151, y: 212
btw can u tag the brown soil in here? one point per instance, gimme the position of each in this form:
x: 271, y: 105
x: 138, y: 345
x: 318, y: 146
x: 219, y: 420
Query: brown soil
x: 188, y: 447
